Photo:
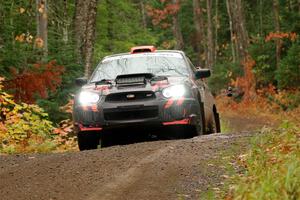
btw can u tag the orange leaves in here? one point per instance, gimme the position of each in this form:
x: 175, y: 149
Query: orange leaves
x: 68, y: 108
x: 24, y: 38
x: 39, y: 42
x: 65, y: 128
x: 159, y: 16
x: 41, y: 6
x: 38, y: 80
x: 20, y: 38
x: 280, y: 35
x: 247, y: 82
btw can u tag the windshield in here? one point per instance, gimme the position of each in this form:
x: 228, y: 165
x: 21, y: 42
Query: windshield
x: 166, y: 64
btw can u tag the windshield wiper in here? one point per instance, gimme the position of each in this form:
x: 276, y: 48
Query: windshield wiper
x: 103, y: 82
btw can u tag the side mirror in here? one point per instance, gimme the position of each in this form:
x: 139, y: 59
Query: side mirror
x: 81, y: 81
x: 202, y: 73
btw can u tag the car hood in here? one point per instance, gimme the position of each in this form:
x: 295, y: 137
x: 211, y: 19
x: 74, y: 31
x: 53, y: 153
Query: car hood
x: 148, y: 85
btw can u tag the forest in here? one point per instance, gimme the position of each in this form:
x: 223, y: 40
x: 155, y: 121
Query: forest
x: 250, y: 46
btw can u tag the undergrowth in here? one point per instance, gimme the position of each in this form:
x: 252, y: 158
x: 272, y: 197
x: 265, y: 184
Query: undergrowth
x: 26, y: 128
x: 272, y: 166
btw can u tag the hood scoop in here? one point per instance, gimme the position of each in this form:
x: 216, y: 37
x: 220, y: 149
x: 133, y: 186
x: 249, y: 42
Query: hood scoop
x: 129, y: 80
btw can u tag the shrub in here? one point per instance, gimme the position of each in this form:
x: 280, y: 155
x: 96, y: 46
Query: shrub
x: 23, y: 127
x: 288, y: 74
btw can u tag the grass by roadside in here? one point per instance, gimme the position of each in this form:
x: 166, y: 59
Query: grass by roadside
x: 272, y: 166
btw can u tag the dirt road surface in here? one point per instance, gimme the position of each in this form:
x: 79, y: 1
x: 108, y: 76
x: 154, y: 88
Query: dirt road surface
x: 169, y: 169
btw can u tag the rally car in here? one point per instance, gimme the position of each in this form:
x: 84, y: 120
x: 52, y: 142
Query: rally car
x: 143, y: 88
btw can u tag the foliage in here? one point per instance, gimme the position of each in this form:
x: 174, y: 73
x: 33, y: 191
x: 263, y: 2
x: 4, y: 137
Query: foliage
x: 23, y: 127
x: 26, y: 128
x: 39, y: 79
x: 288, y: 74
x: 272, y: 166
x: 120, y: 28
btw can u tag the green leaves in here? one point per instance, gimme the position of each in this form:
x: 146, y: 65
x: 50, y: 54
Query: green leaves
x: 23, y: 127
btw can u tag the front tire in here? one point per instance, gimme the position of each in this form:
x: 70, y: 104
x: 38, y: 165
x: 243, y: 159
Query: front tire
x: 105, y: 140
x: 87, y: 140
x: 199, y: 128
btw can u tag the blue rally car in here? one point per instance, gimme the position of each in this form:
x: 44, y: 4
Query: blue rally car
x: 143, y: 88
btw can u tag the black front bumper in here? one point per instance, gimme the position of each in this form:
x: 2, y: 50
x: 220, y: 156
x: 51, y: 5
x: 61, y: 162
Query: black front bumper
x: 107, y: 115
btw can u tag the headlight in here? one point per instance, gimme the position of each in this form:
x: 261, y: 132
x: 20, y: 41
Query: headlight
x: 87, y: 98
x: 175, y: 91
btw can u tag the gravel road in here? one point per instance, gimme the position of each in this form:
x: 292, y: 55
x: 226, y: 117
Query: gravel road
x: 170, y: 169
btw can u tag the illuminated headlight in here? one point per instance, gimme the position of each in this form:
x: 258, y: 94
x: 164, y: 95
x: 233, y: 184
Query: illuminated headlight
x: 88, y: 98
x: 175, y: 91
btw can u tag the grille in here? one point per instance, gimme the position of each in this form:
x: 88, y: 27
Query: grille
x: 131, y: 113
x: 130, y: 96
x: 87, y: 117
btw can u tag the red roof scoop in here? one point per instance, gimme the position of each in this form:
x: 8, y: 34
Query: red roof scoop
x: 142, y: 49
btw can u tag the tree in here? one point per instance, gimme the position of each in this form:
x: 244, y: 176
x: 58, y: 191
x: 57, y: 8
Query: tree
x: 42, y: 26
x: 166, y: 15
x: 176, y: 26
x: 201, y: 48
x: 239, y: 31
x: 277, y: 29
x: 85, y: 28
x: 210, y: 41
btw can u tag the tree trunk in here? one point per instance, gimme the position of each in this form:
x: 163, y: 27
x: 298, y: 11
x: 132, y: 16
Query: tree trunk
x: 200, y: 35
x: 233, y: 41
x: 143, y: 13
x: 217, y: 26
x: 65, y: 22
x: 42, y: 26
x: 241, y: 30
x: 177, y: 30
x: 261, y: 17
x: 85, y: 27
x: 90, y: 37
x: 210, y: 42
x: 81, y: 10
x: 277, y: 29
x: 236, y: 15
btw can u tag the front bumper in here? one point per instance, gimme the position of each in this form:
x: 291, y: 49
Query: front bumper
x: 107, y: 115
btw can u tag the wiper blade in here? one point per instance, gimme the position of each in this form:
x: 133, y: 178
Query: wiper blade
x: 103, y: 81
x: 159, y: 78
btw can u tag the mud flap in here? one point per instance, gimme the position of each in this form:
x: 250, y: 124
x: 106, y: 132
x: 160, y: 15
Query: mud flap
x: 202, y: 118
x: 218, y: 123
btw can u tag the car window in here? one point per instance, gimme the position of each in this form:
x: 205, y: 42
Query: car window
x: 167, y: 64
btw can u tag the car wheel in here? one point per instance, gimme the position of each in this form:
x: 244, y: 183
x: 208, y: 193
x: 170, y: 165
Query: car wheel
x: 215, y: 125
x: 199, y: 128
x: 87, y: 141
x: 105, y: 141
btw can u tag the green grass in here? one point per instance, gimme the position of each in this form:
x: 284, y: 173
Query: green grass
x: 272, y: 166
x: 225, y: 126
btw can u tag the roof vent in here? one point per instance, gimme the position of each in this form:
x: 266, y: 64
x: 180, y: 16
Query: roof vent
x: 142, y: 49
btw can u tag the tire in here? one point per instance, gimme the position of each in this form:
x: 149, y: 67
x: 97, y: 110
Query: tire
x: 215, y: 125
x: 218, y: 123
x: 200, y: 124
x: 105, y: 141
x: 87, y: 141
